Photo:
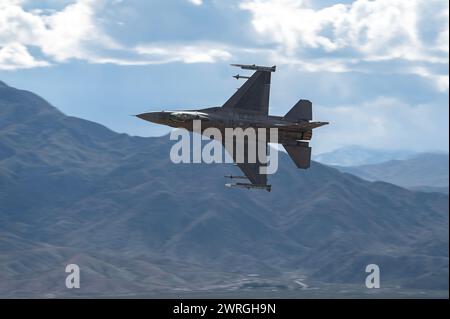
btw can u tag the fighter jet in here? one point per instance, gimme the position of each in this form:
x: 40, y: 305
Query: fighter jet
x: 249, y: 107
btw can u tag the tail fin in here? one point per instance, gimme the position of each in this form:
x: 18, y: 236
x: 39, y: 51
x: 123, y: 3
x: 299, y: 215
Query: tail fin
x: 300, y: 154
x: 300, y: 111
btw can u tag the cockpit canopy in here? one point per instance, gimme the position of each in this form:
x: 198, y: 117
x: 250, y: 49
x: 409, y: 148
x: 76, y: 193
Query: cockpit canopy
x: 187, y: 116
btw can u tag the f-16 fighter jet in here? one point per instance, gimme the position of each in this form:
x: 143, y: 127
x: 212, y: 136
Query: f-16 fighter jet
x: 249, y: 108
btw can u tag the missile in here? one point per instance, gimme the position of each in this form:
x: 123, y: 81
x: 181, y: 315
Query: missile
x: 237, y: 77
x: 235, y: 177
x: 249, y: 186
x: 255, y: 67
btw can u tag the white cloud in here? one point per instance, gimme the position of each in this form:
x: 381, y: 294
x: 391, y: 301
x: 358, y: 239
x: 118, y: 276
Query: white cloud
x: 291, y: 24
x: 358, y: 36
x: 17, y: 25
x: 206, y: 53
x: 387, y: 123
x: 375, y: 29
x: 442, y: 81
x: 336, y: 65
x: 341, y: 35
x: 196, y: 2
x: 70, y: 33
x: 74, y: 33
x: 16, y: 56
x: 11, y: 2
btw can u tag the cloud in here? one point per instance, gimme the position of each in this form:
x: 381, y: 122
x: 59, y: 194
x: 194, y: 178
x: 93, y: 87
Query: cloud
x: 442, y: 81
x: 343, y: 37
x: 76, y: 32
x: 379, y: 29
x: 207, y: 53
x: 16, y: 56
x: 196, y: 2
x: 410, y: 37
x: 149, y: 54
x: 63, y: 35
x: 387, y: 123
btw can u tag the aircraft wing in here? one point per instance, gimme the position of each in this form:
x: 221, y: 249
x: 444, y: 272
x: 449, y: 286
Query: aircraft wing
x: 253, y: 95
x: 252, y: 173
x: 251, y: 170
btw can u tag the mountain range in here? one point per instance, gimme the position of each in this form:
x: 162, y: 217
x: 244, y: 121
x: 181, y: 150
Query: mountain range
x: 427, y: 172
x: 73, y: 191
x: 356, y: 155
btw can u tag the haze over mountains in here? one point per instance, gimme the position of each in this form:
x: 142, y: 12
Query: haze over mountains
x: 355, y: 155
x: 72, y: 191
x: 427, y: 171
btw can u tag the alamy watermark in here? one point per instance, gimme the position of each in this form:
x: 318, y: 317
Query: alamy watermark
x: 243, y: 145
x: 73, y: 279
x: 373, y: 279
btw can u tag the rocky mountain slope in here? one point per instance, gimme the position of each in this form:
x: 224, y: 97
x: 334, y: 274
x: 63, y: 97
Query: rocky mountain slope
x: 72, y: 191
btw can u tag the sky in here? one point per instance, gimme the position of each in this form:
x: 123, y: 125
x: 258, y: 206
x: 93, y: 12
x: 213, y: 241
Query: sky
x: 376, y: 70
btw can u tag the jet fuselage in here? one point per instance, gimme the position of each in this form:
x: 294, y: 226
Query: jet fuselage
x: 217, y: 117
x: 248, y: 109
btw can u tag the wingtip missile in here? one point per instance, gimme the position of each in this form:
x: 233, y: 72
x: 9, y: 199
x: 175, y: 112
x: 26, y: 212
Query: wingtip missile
x: 235, y: 177
x: 256, y: 67
x: 237, y: 77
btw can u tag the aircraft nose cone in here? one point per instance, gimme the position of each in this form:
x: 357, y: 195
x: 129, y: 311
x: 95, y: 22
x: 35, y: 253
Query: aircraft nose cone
x: 151, y: 116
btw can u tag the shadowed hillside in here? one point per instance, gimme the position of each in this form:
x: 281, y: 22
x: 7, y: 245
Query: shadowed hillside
x: 72, y: 191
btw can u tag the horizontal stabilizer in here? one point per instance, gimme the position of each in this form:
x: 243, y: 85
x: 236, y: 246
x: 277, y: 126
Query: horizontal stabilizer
x: 300, y: 111
x: 300, y: 154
